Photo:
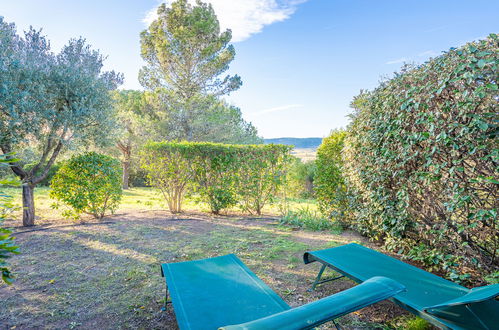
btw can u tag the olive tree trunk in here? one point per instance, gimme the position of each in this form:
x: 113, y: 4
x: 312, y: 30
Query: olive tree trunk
x: 28, y: 205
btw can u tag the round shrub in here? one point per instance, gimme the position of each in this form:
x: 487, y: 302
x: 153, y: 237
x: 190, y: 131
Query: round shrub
x: 88, y: 183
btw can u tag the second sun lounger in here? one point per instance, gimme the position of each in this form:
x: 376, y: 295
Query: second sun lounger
x: 442, y: 302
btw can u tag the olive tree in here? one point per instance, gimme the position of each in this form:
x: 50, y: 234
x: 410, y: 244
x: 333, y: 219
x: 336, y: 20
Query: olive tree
x: 49, y: 101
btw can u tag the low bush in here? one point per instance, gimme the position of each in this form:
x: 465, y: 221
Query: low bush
x: 88, y: 183
x: 262, y: 171
x: 169, y: 170
x: 215, y: 169
x: 309, y: 219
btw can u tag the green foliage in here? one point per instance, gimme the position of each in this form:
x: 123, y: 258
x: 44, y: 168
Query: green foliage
x: 50, y: 101
x: 185, y: 52
x: 262, y: 171
x: 408, y: 322
x: 186, y: 55
x: 88, y: 183
x: 215, y: 120
x: 169, y: 170
x: 421, y: 156
x: 492, y: 278
x: 301, y: 177
x: 417, y: 323
x: 201, y: 118
x: 308, y: 218
x: 214, y: 167
x: 223, y: 175
x: 7, y: 244
x: 138, y: 176
x: 52, y: 171
x: 130, y: 110
x: 330, y: 187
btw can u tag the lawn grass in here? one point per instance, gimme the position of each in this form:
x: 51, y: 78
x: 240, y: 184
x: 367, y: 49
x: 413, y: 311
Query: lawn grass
x: 147, y: 198
x: 106, y: 275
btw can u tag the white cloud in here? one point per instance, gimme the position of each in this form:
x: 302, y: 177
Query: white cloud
x: 276, y: 109
x: 397, y: 61
x: 428, y: 53
x: 244, y: 17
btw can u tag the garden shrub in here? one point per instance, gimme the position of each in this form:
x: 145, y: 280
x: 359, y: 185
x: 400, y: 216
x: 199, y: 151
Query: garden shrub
x: 88, y: 183
x: 137, y: 177
x: 422, y: 156
x: 222, y: 174
x: 7, y: 244
x: 331, y: 191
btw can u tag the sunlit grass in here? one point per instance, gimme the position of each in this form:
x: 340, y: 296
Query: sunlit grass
x: 147, y: 199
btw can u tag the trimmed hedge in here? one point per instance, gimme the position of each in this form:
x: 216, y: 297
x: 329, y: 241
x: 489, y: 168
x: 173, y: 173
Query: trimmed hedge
x: 224, y: 175
x: 422, y: 158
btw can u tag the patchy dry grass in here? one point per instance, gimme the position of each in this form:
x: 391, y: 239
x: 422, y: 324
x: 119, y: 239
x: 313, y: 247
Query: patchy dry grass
x: 106, y: 275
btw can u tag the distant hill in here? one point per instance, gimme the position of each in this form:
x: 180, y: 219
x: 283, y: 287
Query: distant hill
x: 296, y: 142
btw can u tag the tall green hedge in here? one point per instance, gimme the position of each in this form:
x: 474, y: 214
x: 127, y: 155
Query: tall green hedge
x: 422, y: 157
x: 223, y: 175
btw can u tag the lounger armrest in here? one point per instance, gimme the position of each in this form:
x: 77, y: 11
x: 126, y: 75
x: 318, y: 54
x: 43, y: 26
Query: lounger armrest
x: 315, y: 313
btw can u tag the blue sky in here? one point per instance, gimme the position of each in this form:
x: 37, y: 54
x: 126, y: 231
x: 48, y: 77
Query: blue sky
x: 301, y: 61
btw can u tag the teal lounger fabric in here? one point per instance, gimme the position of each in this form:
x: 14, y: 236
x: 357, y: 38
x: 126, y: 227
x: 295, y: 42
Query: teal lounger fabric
x: 210, y: 293
x: 326, y: 309
x: 442, y: 302
x: 218, y: 292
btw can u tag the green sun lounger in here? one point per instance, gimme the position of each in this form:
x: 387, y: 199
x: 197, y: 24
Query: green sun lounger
x: 441, y: 302
x: 223, y: 293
